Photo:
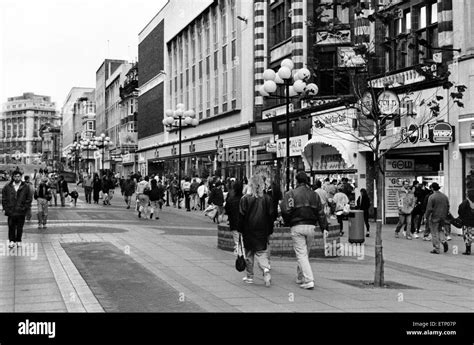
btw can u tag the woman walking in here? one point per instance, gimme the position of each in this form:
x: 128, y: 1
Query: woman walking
x: 96, y: 188
x: 466, y: 213
x: 156, y: 197
x: 256, y: 225
x: 363, y: 203
x: 216, y: 198
x: 143, y: 190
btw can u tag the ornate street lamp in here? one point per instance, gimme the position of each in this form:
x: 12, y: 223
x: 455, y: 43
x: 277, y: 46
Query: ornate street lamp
x: 88, y: 145
x: 175, y: 119
x: 295, y: 84
x: 75, y: 152
x: 101, y: 142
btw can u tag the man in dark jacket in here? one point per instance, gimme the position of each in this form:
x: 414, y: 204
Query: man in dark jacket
x: 436, y: 213
x: 217, y: 198
x: 63, y: 190
x: 232, y: 210
x: 16, y: 199
x: 129, y: 189
x: 301, y: 209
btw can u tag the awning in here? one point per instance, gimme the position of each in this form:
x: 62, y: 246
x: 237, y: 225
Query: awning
x: 344, y: 147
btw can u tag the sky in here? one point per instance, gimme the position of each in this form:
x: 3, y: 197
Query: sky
x: 49, y: 46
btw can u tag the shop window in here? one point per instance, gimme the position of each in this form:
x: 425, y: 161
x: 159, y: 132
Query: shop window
x: 280, y: 22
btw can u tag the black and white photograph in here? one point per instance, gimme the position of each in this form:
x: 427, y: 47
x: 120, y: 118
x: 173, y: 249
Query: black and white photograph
x: 217, y: 171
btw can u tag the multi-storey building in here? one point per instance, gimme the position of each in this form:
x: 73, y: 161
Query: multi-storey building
x: 196, y: 54
x: 72, y: 115
x: 109, y: 78
x: 20, y: 123
x: 128, y: 138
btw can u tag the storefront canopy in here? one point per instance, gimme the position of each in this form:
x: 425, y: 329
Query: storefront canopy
x: 314, y: 149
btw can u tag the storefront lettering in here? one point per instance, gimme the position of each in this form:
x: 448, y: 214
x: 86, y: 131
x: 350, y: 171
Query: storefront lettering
x: 330, y: 162
x: 416, y: 133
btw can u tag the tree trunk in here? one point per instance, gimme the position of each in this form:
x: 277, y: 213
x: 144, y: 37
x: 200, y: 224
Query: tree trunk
x: 379, y: 263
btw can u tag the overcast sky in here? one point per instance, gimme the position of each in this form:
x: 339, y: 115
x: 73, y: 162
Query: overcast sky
x: 49, y: 46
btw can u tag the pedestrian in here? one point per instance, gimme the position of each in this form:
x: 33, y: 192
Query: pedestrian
x: 232, y: 205
x: 87, y: 185
x: 53, y: 185
x: 63, y: 190
x: 427, y: 232
x: 256, y: 225
x: 43, y: 196
x: 466, y: 213
x: 96, y: 188
x: 323, y: 196
x: 122, y: 185
x: 32, y: 191
x: 276, y: 195
x: 129, y: 187
x: 346, y: 188
x: 174, y: 189
x: 216, y: 198
x: 436, y: 213
x: 105, y: 190
x: 74, y: 195
x: 156, y: 195
x: 363, y: 203
x: 143, y: 199
x: 301, y: 210
x: 202, y: 192
x: 193, y: 194
x: 187, y: 193
x: 421, y: 191
x: 406, y: 204
x: 16, y: 198
x: 341, y: 202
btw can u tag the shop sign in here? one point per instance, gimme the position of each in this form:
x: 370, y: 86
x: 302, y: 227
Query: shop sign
x: 141, y: 158
x: 297, y: 145
x: 416, y: 133
x: 442, y: 132
x: 326, y: 37
x: 128, y: 158
x: 388, y: 102
x: 330, y: 162
x: 271, y: 147
x: 260, y: 144
x: 264, y: 127
x: 268, y: 114
x: 399, y: 164
x: 392, y: 186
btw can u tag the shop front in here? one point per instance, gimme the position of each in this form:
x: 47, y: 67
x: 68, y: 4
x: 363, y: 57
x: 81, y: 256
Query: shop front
x: 128, y: 164
x: 332, y: 151
x: 297, y: 145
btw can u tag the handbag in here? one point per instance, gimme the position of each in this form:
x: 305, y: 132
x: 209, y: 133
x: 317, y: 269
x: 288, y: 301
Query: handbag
x: 240, y: 263
x: 456, y: 222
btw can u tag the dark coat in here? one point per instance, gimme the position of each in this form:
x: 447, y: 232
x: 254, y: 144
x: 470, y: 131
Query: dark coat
x: 16, y: 203
x: 232, y: 209
x: 157, y: 193
x: 466, y: 213
x: 62, y: 186
x: 256, y: 221
x: 216, y: 197
x: 363, y: 203
x: 129, y: 187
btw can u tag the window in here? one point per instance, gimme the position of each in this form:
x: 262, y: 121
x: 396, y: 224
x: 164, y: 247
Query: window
x: 207, y: 37
x: 193, y: 45
x: 427, y: 30
x: 224, y: 86
x: 215, y: 61
x: 233, y: 18
x: 422, y: 23
x: 280, y: 22
x: 224, y: 55
x: 224, y: 21
x: 335, y: 80
x: 215, y: 38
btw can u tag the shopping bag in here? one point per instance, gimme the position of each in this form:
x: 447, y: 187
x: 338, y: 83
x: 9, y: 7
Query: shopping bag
x: 240, y: 263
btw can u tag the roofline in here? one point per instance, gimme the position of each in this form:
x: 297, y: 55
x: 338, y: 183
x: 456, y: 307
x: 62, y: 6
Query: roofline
x: 156, y: 15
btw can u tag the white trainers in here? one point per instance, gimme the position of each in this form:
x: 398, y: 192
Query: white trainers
x: 415, y: 235
x: 427, y: 238
x: 18, y: 244
x: 448, y: 238
x: 11, y: 245
x: 248, y: 280
x: 307, y: 286
x: 404, y: 234
x: 267, y: 278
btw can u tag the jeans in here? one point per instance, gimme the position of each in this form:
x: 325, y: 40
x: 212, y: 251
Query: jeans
x: 405, y: 219
x: 262, y: 260
x: 187, y: 200
x: 54, y: 195
x: 155, y: 205
x: 437, y: 234
x: 366, y: 219
x: 15, y: 228
x: 303, y: 236
x: 143, y: 201
x: 203, y: 203
x: 194, y: 201
x: 235, y: 235
x: 88, y: 194
x: 42, y: 211
x: 62, y: 196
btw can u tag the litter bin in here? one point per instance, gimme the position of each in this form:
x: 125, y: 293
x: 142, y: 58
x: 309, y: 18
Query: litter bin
x: 356, y: 226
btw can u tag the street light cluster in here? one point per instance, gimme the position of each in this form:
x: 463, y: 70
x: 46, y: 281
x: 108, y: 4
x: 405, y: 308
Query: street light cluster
x: 295, y: 82
x: 285, y: 75
x: 101, y: 142
x: 187, y: 116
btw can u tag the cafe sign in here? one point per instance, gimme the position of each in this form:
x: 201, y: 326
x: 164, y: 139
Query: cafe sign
x: 297, y: 145
x: 388, y: 103
x: 442, y: 132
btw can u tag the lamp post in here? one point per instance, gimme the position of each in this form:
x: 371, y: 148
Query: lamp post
x: 101, y: 142
x: 87, y: 145
x: 175, y: 119
x: 295, y: 84
x: 76, y: 151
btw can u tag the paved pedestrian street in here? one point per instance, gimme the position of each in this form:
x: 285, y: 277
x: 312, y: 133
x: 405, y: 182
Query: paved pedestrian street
x: 95, y: 258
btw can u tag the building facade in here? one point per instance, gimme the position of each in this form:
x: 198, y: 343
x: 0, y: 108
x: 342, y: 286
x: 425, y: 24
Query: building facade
x: 200, y: 59
x: 21, y: 119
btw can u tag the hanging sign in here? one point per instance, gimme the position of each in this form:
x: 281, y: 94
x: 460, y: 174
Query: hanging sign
x: 442, y: 132
x: 388, y: 103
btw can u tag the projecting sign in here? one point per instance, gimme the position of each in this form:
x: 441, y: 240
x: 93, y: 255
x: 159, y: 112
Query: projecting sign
x: 388, y: 102
x: 367, y: 103
x: 297, y: 145
x: 442, y: 132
